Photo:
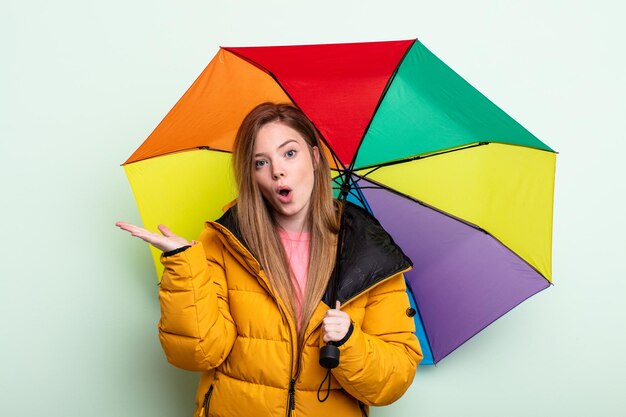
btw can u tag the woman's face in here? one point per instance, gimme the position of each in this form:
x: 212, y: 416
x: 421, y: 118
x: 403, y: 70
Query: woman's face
x: 284, y: 171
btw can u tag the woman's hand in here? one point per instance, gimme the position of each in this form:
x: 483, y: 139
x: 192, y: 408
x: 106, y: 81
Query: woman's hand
x: 166, y: 241
x: 335, y: 325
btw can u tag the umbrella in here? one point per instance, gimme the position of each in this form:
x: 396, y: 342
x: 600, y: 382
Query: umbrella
x: 464, y: 189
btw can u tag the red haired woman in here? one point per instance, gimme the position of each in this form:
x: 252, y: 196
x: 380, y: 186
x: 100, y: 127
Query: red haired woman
x: 248, y: 303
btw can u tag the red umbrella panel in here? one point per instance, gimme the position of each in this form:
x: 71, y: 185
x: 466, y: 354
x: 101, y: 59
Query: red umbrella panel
x: 464, y: 189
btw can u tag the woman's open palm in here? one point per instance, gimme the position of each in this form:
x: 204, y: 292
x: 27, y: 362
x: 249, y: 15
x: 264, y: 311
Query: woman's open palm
x: 165, y: 241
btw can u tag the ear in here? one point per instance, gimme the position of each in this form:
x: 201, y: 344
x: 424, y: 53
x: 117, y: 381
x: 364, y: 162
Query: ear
x: 315, y: 154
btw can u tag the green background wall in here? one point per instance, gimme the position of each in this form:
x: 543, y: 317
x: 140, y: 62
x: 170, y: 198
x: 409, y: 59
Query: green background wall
x: 82, y: 84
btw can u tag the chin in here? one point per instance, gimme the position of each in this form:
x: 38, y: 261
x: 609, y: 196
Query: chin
x: 289, y: 212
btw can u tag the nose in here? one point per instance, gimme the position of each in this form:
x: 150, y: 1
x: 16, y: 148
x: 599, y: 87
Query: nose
x: 277, y: 171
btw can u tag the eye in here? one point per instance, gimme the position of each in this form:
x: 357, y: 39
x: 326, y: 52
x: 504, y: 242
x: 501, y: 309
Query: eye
x: 260, y: 163
x: 290, y: 153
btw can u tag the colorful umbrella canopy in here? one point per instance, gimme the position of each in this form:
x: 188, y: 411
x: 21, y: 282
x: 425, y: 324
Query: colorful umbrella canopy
x: 465, y: 190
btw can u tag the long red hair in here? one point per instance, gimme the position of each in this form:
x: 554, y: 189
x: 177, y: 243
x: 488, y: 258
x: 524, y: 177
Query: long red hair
x: 255, y: 216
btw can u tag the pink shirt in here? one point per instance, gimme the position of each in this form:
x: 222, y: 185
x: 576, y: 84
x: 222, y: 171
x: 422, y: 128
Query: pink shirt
x: 297, y: 247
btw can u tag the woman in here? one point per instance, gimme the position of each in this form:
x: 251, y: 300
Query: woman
x: 248, y: 303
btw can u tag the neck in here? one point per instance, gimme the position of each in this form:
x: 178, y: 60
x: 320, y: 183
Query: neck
x: 291, y: 224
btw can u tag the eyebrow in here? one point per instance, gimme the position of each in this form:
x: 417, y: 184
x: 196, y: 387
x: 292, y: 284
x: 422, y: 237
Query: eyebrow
x: 279, y: 146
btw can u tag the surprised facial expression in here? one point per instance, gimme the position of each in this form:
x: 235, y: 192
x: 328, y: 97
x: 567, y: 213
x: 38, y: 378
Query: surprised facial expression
x: 284, y: 166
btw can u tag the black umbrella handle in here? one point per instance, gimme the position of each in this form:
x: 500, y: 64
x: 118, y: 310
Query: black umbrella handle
x: 329, y: 356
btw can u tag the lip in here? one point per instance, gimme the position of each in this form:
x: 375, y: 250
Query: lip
x: 284, y: 194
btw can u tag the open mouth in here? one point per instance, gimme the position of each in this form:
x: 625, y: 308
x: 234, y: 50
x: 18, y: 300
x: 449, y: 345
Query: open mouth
x: 284, y: 194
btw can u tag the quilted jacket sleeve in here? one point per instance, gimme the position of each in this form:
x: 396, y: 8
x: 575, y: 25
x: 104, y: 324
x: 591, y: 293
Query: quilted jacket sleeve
x: 379, y: 360
x: 196, y: 329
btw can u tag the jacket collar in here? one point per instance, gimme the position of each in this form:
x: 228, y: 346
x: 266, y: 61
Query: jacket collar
x: 369, y: 253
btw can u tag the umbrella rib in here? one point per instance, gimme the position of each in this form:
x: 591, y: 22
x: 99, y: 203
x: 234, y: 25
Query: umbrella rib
x: 417, y: 157
x: 363, y: 200
x: 380, y: 101
x: 195, y: 148
x: 374, y: 167
x: 420, y: 202
x: 354, y: 191
x: 361, y: 188
x: 338, y: 163
x: 271, y: 74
